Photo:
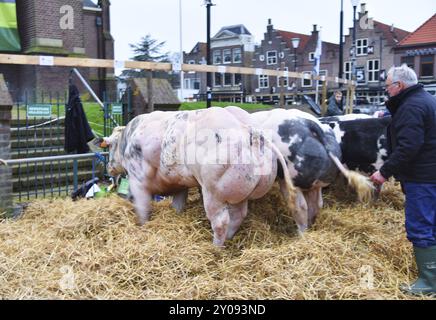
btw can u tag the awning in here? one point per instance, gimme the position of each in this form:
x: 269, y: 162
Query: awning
x: 9, y: 37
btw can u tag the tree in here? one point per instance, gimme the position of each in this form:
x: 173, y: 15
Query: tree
x: 148, y: 49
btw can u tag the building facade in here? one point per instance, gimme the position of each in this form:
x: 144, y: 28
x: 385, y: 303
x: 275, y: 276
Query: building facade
x: 375, y: 44
x: 277, y: 51
x: 418, y: 51
x: 78, y: 28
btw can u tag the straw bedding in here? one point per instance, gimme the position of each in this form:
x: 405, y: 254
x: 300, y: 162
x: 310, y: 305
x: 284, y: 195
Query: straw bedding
x: 93, y: 250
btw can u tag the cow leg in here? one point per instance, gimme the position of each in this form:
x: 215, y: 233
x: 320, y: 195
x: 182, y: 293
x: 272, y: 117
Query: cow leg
x: 314, y: 204
x: 237, y: 214
x: 179, y: 200
x: 219, y: 217
x: 300, y: 214
x: 141, y: 200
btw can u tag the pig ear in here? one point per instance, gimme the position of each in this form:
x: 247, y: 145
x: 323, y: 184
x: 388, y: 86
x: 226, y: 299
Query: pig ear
x: 105, y: 143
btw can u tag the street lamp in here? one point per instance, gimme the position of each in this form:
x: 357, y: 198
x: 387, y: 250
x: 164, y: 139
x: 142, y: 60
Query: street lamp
x: 208, y: 4
x: 295, y: 44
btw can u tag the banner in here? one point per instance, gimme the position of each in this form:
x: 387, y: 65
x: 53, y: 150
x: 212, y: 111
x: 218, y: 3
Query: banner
x: 9, y: 37
x: 317, y: 55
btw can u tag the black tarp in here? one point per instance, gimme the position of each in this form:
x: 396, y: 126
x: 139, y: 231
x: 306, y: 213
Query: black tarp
x: 77, y: 130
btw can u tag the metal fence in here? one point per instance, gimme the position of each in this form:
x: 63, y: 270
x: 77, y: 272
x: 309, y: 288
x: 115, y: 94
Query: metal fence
x: 40, y: 166
x: 44, y: 176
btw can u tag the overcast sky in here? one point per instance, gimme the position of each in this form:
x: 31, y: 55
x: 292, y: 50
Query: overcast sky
x: 133, y: 19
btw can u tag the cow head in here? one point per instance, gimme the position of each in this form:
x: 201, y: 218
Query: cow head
x: 114, y: 166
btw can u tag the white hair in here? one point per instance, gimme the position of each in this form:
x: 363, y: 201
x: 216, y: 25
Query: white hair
x: 404, y: 74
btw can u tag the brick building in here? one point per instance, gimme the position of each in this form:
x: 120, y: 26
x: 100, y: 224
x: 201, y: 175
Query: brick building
x: 195, y: 82
x: 418, y: 50
x: 375, y: 42
x: 44, y: 30
x: 276, y: 51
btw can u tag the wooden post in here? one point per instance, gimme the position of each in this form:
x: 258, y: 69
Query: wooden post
x: 282, y: 89
x: 5, y: 150
x: 150, y: 104
x: 324, y: 98
x: 347, y: 101
x: 353, y: 90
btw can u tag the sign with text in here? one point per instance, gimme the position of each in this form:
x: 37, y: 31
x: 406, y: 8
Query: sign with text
x: 39, y: 110
x: 117, y: 109
x: 360, y: 75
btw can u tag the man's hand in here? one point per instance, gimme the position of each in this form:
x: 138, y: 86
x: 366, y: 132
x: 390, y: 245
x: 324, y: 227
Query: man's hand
x: 378, y: 179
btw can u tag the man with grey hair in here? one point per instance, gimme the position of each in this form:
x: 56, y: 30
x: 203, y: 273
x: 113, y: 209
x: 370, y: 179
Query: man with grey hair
x: 412, y: 161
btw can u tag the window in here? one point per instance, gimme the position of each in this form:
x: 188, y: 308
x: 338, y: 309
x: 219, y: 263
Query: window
x: 227, y: 56
x: 217, y: 59
x: 307, y: 82
x: 285, y: 80
x: 237, y: 55
x: 373, y: 70
x: 362, y: 47
x: 263, y: 81
x: 238, y: 79
x: 347, y: 70
x: 187, y: 83
x: 228, y: 79
x: 196, y: 84
x: 427, y: 66
x: 322, y: 73
x: 218, y: 80
x: 271, y: 57
x: 410, y: 61
x: 312, y: 56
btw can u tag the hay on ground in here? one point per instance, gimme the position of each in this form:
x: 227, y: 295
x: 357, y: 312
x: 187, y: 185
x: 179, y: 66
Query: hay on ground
x: 93, y: 250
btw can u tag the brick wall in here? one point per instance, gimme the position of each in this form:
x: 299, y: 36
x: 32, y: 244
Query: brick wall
x: 5, y: 147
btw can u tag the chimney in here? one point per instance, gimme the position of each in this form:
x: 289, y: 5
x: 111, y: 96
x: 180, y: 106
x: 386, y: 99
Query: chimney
x: 315, y: 28
x: 363, y: 8
x: 269, y: 29
x: 392, y: 28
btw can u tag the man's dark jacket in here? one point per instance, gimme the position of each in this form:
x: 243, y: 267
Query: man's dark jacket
x: 334, y: 108
x: 412, y: 137
x: 77, y: 130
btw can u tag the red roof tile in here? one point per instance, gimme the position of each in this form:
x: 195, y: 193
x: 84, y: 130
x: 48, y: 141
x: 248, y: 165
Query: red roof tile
x: 287, y: 37
x: 392, y: 35
x: 423, y: 35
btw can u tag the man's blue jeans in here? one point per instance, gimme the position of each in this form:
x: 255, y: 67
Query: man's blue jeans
x: 421, y: 214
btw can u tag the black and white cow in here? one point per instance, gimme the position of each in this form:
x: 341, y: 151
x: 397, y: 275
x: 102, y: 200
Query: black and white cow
x: 363, y: 141
x: 313, y: 158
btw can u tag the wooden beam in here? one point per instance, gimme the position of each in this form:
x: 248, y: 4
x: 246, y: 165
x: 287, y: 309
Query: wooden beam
x: 153, y: 66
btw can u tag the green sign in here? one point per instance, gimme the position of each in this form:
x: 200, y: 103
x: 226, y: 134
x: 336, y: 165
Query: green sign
x: 39, y: 110
x: 117, y: 109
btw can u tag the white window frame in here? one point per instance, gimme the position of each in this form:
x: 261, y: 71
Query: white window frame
x: 261, y: 79
x: 235, y: 50
x: 187, y: 83
x: 311, y: 56
x: 228, y: 53
x: 372, y: 72
x: 361, y: 47
x: 270, y: 60
x: 348, y: 74
x: 217, y: 53
x: 322, y: 73
x: 285, y: 80
x: 302, y: 80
